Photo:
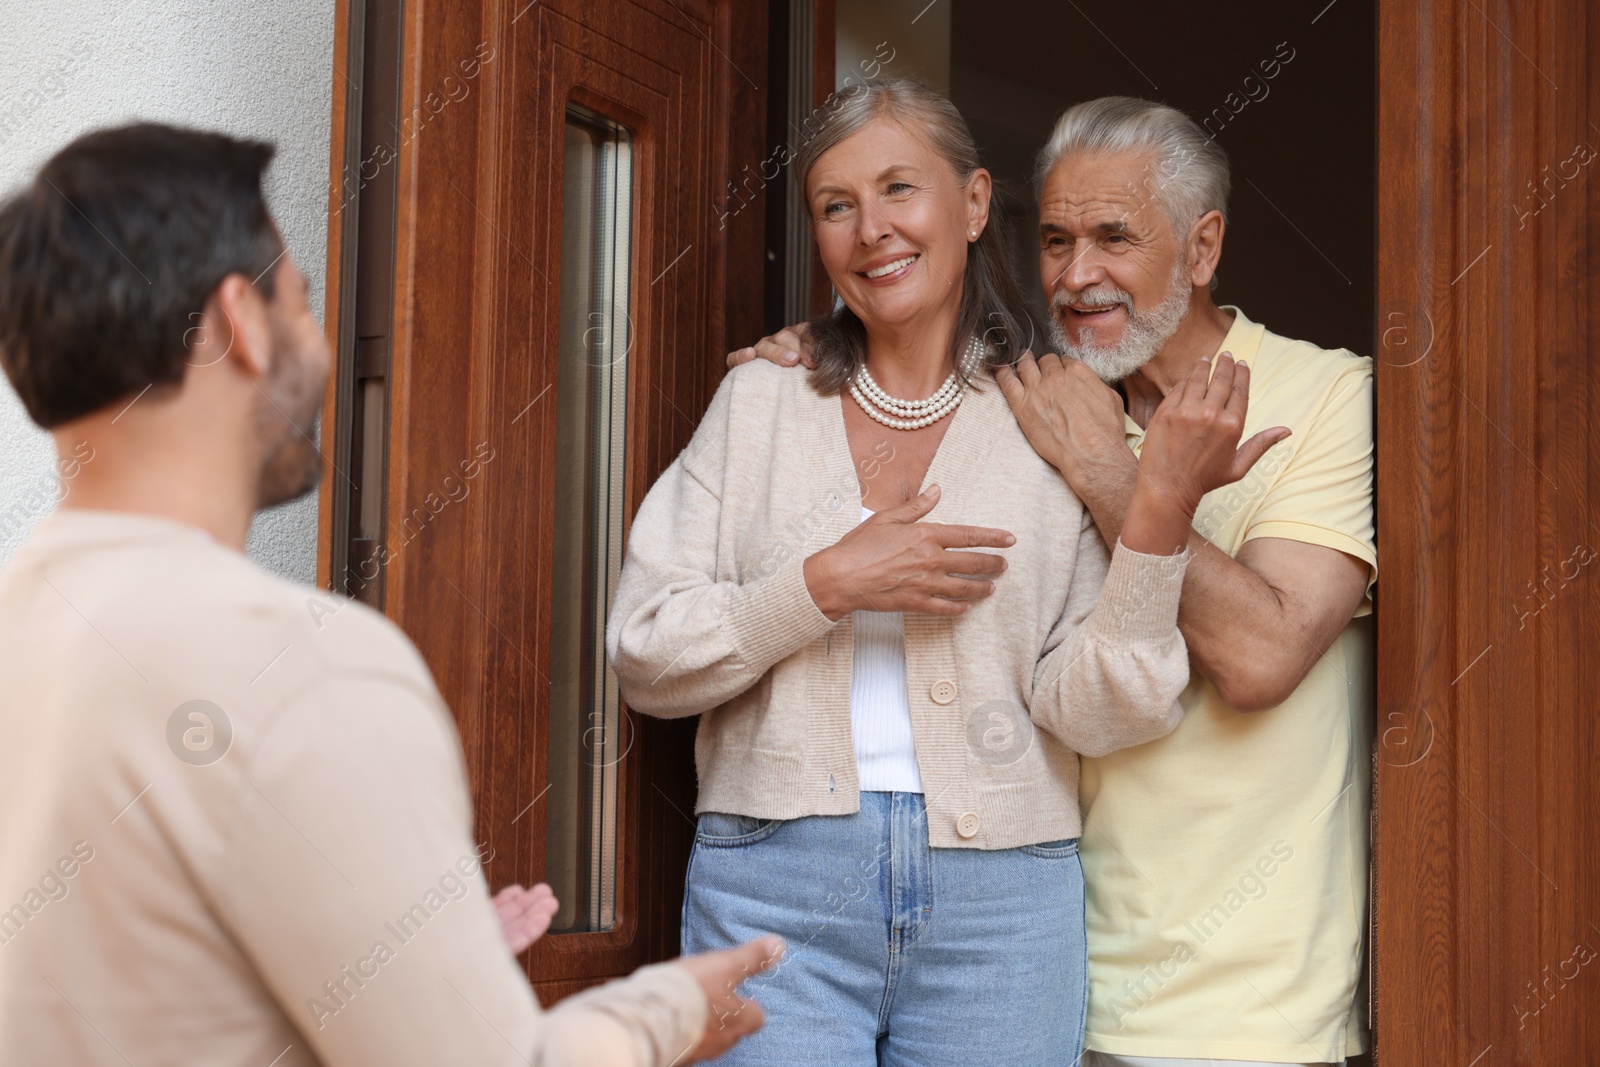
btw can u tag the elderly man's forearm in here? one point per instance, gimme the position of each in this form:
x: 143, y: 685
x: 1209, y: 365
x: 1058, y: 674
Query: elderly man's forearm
x: 1231, y: 618
x: 1106, y: 496
x: 1235, y: 624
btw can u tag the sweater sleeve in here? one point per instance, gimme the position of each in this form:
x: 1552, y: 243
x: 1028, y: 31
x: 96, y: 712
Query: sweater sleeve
x: 1115, y: 663
x: 354, y: 885
x: 655, y: 1016
x: 681, y: 641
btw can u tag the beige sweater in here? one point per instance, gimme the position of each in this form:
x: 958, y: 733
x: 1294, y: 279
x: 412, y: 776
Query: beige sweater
x: 291, y: 879
x: 712, y: 615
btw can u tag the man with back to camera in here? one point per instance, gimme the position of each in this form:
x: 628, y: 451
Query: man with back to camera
x: 237, y: 821
x: 1225, y: 863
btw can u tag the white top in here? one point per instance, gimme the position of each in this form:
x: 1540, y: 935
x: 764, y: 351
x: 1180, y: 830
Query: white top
x: 880, y: 709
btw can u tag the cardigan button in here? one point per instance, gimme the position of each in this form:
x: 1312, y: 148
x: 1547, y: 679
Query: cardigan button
x: 967, y: 825
x: 943, y: 692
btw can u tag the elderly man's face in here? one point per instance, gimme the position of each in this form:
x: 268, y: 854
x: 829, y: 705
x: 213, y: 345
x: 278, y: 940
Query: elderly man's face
x: 1115, y: 272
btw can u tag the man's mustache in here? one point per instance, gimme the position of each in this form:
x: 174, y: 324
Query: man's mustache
x: 1097, y: 296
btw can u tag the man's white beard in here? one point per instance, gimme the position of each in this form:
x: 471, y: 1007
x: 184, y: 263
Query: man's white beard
x: 1143, y: 336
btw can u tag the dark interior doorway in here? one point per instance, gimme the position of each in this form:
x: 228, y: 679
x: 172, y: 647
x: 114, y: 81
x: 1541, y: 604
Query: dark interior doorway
x: 1288, y: 90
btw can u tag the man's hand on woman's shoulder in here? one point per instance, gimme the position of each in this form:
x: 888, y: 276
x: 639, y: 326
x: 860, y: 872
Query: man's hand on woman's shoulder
x: 787, y: 347
x: 1074, y: 421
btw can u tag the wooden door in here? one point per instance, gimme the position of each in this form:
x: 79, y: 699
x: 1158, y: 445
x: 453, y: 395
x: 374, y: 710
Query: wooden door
x: 491, y: 105
x: 1486, y: 844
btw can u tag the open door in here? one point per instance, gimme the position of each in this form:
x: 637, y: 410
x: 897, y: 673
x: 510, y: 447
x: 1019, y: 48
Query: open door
x: 1485, y: 845
x: 531, y: 295
x: 531, y: 286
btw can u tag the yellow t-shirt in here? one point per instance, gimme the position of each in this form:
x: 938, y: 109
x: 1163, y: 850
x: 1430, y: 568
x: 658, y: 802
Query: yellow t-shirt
x: 1227, y: 862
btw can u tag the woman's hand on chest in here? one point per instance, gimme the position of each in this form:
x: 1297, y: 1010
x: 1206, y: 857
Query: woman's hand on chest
x: 894, y: 561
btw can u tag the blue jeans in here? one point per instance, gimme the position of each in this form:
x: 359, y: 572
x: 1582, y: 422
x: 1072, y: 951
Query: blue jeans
x: 898, y: 954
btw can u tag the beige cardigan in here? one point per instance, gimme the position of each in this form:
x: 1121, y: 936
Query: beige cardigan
x: 712, y: 616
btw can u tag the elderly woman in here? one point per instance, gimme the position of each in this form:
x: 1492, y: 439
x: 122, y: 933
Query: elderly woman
x: 860, y: 579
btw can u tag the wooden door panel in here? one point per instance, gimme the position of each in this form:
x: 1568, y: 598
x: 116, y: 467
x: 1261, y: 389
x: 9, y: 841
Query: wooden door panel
x: 639, y: 69
x: 1486, y: 908
x: 483, y: 90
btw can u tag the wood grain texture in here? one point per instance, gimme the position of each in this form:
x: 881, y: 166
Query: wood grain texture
x: 476, y: 291
x: 338, y: 267
x: 1486, y: 913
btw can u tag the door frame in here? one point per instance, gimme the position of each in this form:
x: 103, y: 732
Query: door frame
x: 1484, y: 858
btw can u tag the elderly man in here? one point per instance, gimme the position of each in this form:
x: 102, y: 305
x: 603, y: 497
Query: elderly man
x: 1226, y: 863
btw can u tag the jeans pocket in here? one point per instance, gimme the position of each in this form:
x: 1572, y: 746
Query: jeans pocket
x: 1052, y: 850
x: 718, y: 829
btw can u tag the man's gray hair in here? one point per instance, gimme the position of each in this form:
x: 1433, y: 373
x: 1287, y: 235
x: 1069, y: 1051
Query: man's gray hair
x: 1188, y: 174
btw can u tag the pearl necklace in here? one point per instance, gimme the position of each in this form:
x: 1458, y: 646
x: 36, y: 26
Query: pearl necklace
x: 899, y: 414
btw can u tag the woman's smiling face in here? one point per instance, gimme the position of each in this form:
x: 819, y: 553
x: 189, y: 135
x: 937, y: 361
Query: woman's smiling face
x: 892, y: 222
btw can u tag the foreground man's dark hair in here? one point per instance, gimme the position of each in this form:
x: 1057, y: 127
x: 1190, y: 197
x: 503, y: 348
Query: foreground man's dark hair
x: 108, y: 257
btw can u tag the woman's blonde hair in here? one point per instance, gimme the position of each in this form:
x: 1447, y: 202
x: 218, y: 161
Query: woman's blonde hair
x: 991, y: 305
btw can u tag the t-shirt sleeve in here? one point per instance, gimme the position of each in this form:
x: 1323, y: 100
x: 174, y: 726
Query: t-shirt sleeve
x: 355, y: 887
x: 1324, y: 496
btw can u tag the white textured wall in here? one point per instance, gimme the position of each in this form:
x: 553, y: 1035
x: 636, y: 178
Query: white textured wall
x: 256, y: 70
